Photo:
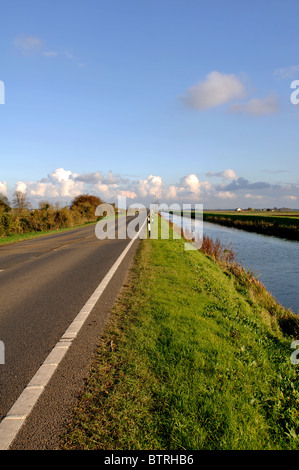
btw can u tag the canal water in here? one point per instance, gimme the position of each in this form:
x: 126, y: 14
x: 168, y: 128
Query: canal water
x: 273, y: 260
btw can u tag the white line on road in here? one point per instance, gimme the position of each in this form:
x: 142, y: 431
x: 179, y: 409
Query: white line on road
x: 15, y: 418
x: 63, y: 246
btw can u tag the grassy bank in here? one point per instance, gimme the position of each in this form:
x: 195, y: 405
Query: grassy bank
x: 17, y: 237
x: 193, y: 357
x: 268, y: 223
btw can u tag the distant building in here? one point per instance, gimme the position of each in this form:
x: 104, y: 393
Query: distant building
x: 238, y: 209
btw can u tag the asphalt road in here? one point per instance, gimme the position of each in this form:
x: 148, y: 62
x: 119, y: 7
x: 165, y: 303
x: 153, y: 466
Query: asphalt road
x: 44, y: 283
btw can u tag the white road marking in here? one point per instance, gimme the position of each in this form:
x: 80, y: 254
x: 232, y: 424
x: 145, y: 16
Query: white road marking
x: 63, y: 246
x: 15, y: 418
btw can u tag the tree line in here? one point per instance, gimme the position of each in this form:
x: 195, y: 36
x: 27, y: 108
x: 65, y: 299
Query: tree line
x: 17, y: 216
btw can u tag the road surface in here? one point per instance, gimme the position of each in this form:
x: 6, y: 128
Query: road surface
x: 44, y: 283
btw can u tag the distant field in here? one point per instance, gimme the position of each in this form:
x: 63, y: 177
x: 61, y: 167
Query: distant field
x: 285, y: 218
x: 280, y: 224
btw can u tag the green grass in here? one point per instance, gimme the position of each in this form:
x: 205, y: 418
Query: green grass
x: 192, y: 358
x: 18, y: 237
x: 287, y: 218
x: 283, y: 225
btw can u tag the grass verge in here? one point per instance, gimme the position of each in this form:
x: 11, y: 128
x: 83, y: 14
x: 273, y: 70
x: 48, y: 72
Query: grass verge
x: 192, y: 358
x: 276, y: 224
x: 18, y: 237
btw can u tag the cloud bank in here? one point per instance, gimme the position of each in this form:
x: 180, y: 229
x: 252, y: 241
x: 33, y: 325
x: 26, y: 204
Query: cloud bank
x: 223, y: 189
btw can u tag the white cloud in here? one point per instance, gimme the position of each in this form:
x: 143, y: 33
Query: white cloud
x: 28, y: 44
x: 172, y: 192
x: 90, y: 178
x: 217, y: 89
x: 70, y: 188
x: 111, y: 178
x: 39, y: 189
x: 59, y: 184
x: 257, y: 107
x: 50, y: 53
x: 287, y: 72
x: 22, y: 187
x: 62, y: 185
x: 228, y: 174
x: 151, y: 186
x: 128, y: 194
x: 253, y: 196
x: 60, y: 175
x: 3, y: 187
x: 73, y: 58
x: 226, y: 195
x: 191, y: 184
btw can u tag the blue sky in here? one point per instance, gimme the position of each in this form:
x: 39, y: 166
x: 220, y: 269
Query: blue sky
x: 180, y: 101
